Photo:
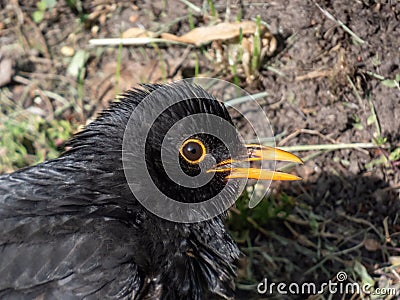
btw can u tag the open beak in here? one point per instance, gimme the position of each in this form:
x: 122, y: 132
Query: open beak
x: 258, y: 153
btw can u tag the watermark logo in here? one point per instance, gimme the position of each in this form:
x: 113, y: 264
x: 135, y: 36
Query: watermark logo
x: 340, y: 285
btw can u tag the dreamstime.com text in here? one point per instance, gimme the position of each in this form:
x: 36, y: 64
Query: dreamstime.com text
x: 339, y: 286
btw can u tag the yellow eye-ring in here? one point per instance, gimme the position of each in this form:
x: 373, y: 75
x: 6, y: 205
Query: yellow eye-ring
x: 193, y: 151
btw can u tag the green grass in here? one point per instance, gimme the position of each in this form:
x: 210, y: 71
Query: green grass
x: 27, y: 138
x: 269, y: 208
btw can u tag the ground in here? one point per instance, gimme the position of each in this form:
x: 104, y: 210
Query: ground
x: 333, y: 79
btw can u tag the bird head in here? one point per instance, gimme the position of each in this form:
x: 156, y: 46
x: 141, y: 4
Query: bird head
x: 181, y: 147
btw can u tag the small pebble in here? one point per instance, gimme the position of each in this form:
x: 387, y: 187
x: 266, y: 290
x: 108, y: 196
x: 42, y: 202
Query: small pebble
x: 67, y: 51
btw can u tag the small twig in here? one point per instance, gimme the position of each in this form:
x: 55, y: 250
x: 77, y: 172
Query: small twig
x: 331, y: 235
x: 275, y: 105
x: 276, y: 71
x: 316, y: 266
x: 296, y: 220
x: 22, y: 80
x: 308, y: 131
x: 338, y: 146
x: 18, y: 11
x: 178, y: 66
x: 390, y: 188
x: 386, y: 228
x: 50, y: 76
x: 267, y: 140
x: 301, y: 238
x: 348, y: 250
x: 243, y: 99
x: 192, y: 6
x: 314, y: 74
x: 377, y: 76
x: 393, y: 271
x: 56, y: 97
x: 131, y: 41
x: 361, y: 221
x: 288, y: 167
x: 289, y: 137
x: 356, y: 92
x: 373, y: 112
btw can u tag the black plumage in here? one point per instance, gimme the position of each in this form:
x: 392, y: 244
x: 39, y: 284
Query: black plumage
x: 71, y: 229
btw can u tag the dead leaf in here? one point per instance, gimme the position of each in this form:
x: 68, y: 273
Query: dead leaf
x: 77, y: 64
x: 361, y: 271
x: 372, y: 245
x: 136, y: 32
x: 394, y: 260
x: 223, y: 31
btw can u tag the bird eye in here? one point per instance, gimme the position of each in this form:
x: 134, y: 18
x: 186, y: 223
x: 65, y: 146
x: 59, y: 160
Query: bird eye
x: 193, y: 151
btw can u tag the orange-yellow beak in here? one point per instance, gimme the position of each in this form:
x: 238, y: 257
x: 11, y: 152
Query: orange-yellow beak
x: 258, y: 153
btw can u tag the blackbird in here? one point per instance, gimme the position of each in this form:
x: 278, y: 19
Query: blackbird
x: 74, y: 228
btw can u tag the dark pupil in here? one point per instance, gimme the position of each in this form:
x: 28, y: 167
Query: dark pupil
x: 192, y: 151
